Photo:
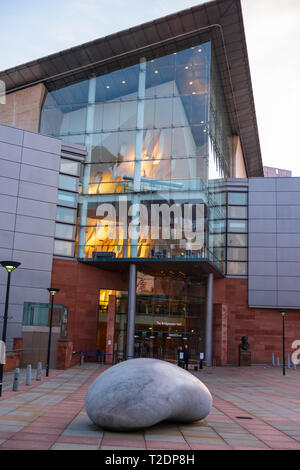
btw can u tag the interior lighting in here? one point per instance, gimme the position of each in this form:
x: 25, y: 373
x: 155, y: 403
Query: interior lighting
x: 155, y: 71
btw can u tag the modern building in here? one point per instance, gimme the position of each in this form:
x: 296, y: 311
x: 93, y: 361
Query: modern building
x: 163, y: 230
x: 270, y: 171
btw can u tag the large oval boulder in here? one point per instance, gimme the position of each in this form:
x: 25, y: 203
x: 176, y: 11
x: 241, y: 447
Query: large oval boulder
x: 139, y: 393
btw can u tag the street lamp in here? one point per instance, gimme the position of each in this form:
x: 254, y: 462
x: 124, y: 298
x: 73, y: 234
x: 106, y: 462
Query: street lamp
x: 283, y: 313
x: 52, y: 293
x: 10, y: 266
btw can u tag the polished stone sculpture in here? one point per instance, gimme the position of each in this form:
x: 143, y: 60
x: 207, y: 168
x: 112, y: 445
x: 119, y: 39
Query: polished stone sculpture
x: 139, y: 393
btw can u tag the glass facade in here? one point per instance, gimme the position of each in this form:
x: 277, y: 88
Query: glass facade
x: 170, y: 317
x: 157, y: 133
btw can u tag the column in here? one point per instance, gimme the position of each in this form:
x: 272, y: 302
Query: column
x: 90, y: 119
x: 138, y: 154
x: 209, y: 319
x: 131, y: 311
x: 110, y: 329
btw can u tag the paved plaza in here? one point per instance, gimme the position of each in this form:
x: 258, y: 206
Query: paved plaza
x: 253, y: 408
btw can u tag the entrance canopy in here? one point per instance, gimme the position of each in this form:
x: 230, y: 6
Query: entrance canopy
x: 186, y: 268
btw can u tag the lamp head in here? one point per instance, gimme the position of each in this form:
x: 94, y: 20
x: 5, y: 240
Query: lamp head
x: 10, y: 265
x: 283, y: 312
x: 52, y: 290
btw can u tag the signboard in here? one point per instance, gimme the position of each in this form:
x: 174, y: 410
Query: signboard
x: 201, y: 356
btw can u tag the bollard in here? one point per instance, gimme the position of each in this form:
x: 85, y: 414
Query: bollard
x: 294, y: 366
x: 28, y: 374
x: 16, y: 380
x: 273, y: 360
x: 39, y: 371
x: 289, y: 362
x: 278, y: 364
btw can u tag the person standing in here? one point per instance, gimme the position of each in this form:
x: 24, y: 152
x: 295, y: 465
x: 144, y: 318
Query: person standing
x: 180, y: 356
x: 186, y: 356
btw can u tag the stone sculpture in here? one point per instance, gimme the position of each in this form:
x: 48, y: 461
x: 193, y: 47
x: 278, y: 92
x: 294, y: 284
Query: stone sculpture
x: 139, y: 393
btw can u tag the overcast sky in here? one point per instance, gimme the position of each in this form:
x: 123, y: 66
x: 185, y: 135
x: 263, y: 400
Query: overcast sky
x: 33, y: 28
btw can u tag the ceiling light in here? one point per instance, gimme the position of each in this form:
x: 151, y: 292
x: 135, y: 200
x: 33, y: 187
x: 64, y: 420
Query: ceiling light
x: 186, y: 68
x: 190, y: 83
x: 199, y: 50
x: 155, y: 71
x: 107, y: 86
x: 123, y: 81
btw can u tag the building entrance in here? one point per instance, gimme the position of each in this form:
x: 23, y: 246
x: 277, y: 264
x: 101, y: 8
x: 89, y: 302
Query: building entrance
x: 163, y: 323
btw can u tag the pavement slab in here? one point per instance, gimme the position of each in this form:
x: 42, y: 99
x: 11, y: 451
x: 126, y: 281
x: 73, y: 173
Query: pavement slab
x: 254, y: 408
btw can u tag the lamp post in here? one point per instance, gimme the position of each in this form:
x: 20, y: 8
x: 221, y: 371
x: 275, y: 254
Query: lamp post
x: 10, y: 266
x: 283, y: 313
x: 52, y: 293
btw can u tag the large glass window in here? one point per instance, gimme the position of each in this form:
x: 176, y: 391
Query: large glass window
x: 67, y: 199
x: 63, y: 248
x: 64, y: 231
x: 157, y: 131
x: 66, y: 215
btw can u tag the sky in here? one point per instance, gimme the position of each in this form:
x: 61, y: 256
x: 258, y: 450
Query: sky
x: 272, y: 27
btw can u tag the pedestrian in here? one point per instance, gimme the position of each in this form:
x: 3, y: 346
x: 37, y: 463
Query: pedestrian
x: 180, y: 356
x: 186, y: 356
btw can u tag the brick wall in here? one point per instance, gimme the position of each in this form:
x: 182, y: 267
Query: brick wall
x: 262, y: 326
x: 79, y: 286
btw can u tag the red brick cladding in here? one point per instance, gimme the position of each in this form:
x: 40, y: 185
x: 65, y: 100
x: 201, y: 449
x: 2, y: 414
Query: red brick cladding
x: 79, y: 286
x: 262, y: 326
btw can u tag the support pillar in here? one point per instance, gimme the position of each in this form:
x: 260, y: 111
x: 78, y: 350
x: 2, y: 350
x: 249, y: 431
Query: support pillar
x: 110, y: 329
x: 209, y: 320
x: 90, y: 118
x: 131, y: 312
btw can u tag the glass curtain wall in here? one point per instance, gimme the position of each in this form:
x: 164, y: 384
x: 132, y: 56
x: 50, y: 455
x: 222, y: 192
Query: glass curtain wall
x: 154, y: 137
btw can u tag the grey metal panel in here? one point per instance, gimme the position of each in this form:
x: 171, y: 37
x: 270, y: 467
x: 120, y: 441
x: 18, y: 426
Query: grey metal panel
x: 35, y: 225
x: 262, y: 298
x: 9, y: 186
x: 33, y: 243
x: 41, y: 142
x: 288, y: 184
x: 19, y: 295
x: 288, y: 254
x: 288, y: 198
x: 288, y: 268
x: 288, y: 212
x: 265, y: 268
x: 262, y: 239
x: 6, y: 239
x: 11, y: 135
x: 288, y: 240
x: 5, y: 253
x: 263, y: 282
x: 288, y: 283
x: 288, y: 226
x: 44, y: 210
x: 9, y: 169
x: 262, y: 197
x: 10, y: 152
x: 262, y: 212
x: 7, y: 221
x: 32, y: 278
x: 38, y: 192
x: 39, y: 175
x: 289, y: 299
x: 262, y: 225
x: 41, y: 159
x: 262, y: 184
x: 261, y: 254
x: 29, y: 260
